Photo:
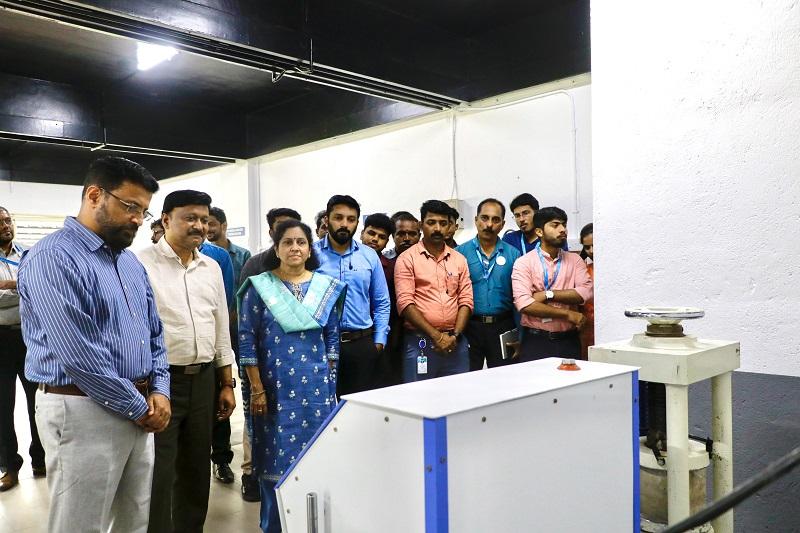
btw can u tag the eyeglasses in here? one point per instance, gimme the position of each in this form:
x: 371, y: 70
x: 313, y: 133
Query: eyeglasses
x: 131, y: 209
x: 7, y: 222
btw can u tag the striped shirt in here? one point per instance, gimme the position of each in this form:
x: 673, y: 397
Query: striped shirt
x: 89, y: 319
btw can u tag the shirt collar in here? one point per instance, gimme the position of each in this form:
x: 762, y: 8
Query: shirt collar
x: 16, y: 249
x: 422, y: 250
x: 166, y: 250
x: 85, y: 236
x: 327, y: 245
x: 499, y: 248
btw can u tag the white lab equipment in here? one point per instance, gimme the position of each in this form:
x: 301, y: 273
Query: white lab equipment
x: 525, y: 447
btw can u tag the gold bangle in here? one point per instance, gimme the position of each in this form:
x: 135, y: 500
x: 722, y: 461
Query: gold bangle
x: 259, y: 393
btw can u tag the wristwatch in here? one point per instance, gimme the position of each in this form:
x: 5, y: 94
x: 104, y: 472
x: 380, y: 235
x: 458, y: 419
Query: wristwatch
x: 231, y: 384
x: 548, y: 295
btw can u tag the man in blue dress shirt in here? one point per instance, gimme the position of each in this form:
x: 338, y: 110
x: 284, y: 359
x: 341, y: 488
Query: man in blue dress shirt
x: 95, y: 345
x: 490, y: 262
x: 365, y: 321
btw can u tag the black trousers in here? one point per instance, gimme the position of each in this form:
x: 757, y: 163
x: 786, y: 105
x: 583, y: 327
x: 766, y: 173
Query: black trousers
x: 536, y: 347
x: 484, y: 343
x: 358, y: 368
x: 221, y: 452
x: 181, y: 475
x: 12, y: 366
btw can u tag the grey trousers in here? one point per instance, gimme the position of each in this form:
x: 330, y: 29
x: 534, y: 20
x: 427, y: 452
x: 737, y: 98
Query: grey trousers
x: 99, y: 466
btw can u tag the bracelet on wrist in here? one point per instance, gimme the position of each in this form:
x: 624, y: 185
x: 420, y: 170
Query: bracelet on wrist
x: 259, y: 393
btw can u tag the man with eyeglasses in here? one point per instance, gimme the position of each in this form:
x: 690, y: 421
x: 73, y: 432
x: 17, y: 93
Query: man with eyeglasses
x: 12, y: 363
x: 190, y: 296
x: 96, y: 348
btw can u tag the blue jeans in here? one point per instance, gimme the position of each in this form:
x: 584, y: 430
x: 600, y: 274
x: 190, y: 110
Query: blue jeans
x: 438, y: 364
x: 270, y: 521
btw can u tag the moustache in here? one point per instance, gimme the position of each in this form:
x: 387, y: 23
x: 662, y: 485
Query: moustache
x: 437, y: 234
x: 196, y: 232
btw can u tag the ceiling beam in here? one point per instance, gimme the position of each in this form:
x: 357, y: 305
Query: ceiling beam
x: 280, y: 65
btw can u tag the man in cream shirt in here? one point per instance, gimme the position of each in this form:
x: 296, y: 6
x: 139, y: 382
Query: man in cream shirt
x: 190, y: 296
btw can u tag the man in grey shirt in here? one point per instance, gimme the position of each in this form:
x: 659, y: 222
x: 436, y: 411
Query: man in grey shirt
x: 12, y: 363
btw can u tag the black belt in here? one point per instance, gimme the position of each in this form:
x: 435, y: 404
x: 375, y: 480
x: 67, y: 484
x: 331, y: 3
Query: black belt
x: 348, y: 336
x: 189, y: 369
x: 552, y: 335
x: 492, y: 319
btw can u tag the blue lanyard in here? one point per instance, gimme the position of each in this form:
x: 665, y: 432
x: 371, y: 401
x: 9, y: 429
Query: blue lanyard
x: 547, y: 285
x: 523, y: 248
x: 8, y: 261
x: 486, y: 271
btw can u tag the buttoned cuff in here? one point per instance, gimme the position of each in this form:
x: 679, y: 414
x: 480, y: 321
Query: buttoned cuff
x: 160, y: 385
x: 380, y: 337
x: 137, y: 408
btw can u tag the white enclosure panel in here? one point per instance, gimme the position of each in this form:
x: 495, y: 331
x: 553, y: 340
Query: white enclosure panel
x: 365, y: 471
x: 453, y: 394
x: 558, y: 462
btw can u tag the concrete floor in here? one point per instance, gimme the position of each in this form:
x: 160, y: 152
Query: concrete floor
x: 24, y: 508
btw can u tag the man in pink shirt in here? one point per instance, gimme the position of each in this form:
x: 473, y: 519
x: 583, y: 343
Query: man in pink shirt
x: 434, y: 297
x: 549, y: 284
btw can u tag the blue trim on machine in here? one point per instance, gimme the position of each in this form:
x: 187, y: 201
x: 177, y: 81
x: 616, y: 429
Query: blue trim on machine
x: 434, y: 433
x: 635, y: 430
x: 310, y: 442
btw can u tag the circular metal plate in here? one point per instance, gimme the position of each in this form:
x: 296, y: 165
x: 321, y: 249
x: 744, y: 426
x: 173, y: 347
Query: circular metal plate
x: 664, y: 315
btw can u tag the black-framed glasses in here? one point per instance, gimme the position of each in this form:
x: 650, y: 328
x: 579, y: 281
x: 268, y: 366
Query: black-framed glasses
x: 130, y: 208
x: 7, y: 222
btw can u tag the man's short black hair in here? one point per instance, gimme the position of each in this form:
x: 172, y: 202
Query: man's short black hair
x: 525, y: 199
x: 342, y: 199
x: 492, y: 201
x: 219, y: 214
x: 273, y: 214
x: 454, y: 214
x: 110, y: 172
x: 157, y: 224
x: 318, y: 219
x: 436, y: 207
x: 184, y: 198
x: 380, y: 221
x: 403, y: 215
x: 546, y: 214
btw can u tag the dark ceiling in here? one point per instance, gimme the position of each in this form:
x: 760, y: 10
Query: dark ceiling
x: 68, y: 73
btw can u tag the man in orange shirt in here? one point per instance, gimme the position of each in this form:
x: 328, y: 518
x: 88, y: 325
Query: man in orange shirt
x: 434, y: 297
x: 549, y: 284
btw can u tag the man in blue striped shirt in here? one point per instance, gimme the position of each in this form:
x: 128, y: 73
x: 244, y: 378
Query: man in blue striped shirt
x: 95, y: 345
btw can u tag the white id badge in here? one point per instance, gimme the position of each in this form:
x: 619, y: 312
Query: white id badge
x: 422, y: 364
x: 546, y: 320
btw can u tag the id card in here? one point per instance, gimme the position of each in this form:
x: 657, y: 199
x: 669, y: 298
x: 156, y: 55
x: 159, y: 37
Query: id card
x: 422, y: 364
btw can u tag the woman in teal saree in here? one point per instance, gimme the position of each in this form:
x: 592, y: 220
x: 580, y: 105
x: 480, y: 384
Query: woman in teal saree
x: 289, y: 345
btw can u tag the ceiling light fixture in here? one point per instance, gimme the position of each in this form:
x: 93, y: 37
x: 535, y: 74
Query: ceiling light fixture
x: 149, y: 55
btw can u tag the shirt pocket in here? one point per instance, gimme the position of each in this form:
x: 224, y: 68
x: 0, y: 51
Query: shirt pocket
x: 451, y: 283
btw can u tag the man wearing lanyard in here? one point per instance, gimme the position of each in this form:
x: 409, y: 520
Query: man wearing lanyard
x: 523, y: 207
x: 12, y: 363
x: 549, y: 284
x: 434, y: 297
x: 490, y: 262
x: 365, y: 321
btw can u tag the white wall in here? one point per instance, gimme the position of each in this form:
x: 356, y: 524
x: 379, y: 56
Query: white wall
x: 525, y: 147
x: 696, y: 113
x: 40, y: 198
x: 227, y: 186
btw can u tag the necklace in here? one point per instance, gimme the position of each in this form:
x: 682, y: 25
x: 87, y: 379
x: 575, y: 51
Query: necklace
x: 297, y: 290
